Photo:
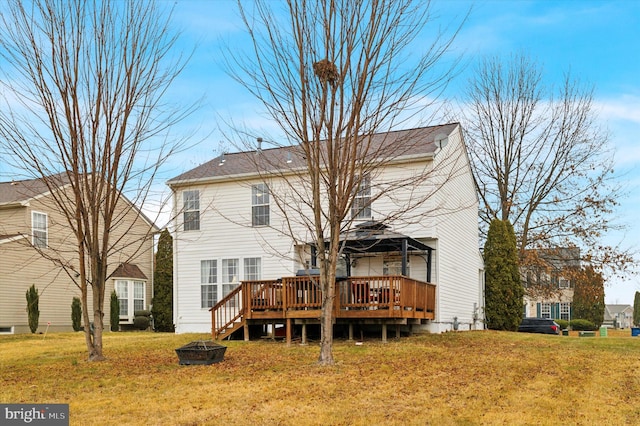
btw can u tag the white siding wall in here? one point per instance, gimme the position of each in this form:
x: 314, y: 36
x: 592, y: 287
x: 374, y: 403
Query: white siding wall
x: 445, y: 219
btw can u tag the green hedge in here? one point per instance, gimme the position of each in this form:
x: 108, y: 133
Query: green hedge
x: 582, y: 325
x: 564, y: 324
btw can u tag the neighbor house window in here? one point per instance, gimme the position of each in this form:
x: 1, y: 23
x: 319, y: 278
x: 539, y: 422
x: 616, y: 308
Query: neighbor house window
x: 131, y: 297
x: 361, y: 207
x: 545, y: 310
x: 260, y: 205
x: 563, y: 283
x: 191, y: 210
x: 565, y: 311
x: 252, y: 269
x: 39, y: 229
x: 230, y: 269
x: 208, y: 280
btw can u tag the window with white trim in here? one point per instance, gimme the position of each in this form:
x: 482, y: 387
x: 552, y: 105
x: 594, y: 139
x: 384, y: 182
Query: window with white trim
x: 208, y: 283
x: 564, y: 283
x: 191, y: 210
x: 361, y: 207
x: 565, y: 311
x: 545, y: 310
x: 393, y: 266
x: 39, y: 229
x: 252, y: 269
x: 230, y: 269
x: 131, y: 297
x: 260, y: 205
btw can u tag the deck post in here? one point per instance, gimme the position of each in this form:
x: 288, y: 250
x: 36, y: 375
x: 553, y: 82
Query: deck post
x: 384, y: 332
x: 397, y: 331
x: 304, y: 333
x: 245, y: 329
x: 288, y: 331
x: 350, y: 331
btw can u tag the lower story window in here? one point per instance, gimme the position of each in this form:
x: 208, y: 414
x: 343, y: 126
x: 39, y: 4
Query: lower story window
x: 565, y: 309
x: 131, y: 296
x: 545, y: 310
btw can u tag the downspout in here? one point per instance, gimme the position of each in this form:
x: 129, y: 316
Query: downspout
x: 404, y: 257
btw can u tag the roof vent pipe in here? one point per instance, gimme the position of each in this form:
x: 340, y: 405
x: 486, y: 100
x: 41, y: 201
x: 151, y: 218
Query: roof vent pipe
x: 259, y: 140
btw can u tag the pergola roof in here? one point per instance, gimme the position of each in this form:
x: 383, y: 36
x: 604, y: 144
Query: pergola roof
x: 374, y: 237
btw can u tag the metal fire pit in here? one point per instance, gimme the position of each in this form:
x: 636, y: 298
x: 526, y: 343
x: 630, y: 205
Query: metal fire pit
x: 200, y: 353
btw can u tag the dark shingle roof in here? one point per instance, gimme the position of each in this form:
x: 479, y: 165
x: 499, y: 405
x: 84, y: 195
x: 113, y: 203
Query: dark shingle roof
x: 290, y: 157
x: 24, y: 190
x: 128, y: 270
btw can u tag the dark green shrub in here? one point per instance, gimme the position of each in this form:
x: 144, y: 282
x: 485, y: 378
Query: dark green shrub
x: 143, y: 313
x: 503, y: 289
x: 582, y: 325
x: 76, y: 314
x: 141, y: 322
x: 636, y: 309
x: 564, y: 324
x: 115, y: 311
x: 32, y: 308
x: 163, y: 284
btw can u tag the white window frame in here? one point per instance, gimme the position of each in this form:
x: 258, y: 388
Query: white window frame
x: 208, y: 283
x: 191, y: 210
x: 230, y: 276
x: 260, y: 205
x: 361, y: 207
x: 564, y: 283
x: 252, y: 268
x: 39, y: 233
x: 129, y: 292
x: 545, y: 310
x: 393, y: 266
x: 565, y: 311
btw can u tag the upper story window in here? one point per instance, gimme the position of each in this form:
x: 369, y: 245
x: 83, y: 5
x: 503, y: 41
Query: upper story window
x: 260, y: 205
x: 361, y: 207
x: 39, y: 229
x: 191, y: 209
x: 564, y: 283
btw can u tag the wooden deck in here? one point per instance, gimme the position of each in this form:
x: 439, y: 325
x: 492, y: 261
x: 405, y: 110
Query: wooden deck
x: 384, y: 300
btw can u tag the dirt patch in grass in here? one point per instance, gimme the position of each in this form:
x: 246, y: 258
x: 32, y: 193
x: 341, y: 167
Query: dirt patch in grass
x: 454, y: 378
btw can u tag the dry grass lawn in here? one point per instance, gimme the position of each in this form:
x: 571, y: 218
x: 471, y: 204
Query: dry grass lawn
x: 450, y: 379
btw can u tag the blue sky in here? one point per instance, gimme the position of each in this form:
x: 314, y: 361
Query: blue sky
x: 598, y: 42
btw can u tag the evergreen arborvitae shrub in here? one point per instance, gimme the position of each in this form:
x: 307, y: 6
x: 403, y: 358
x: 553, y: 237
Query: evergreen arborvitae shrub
x: 76, y: 314
x: 503, y: 289
x: 114, y: 311
x: 636, y: 309
x: 32, y: 308
x: 163, y: 284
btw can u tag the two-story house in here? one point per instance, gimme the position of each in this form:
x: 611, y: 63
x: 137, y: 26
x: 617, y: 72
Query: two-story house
x: 228, y: 230
x: 37, y: 247
x: 547, y: 279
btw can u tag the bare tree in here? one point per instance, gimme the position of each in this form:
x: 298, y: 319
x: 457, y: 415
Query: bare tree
x: 83, y: 110
x: 541, y: 161
x: 331, y: 75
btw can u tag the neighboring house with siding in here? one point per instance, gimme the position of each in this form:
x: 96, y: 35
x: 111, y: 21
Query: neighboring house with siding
x: 618, y: 316
x: 227, y: 228
x: 36, y: 240
x: 546, y: 278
